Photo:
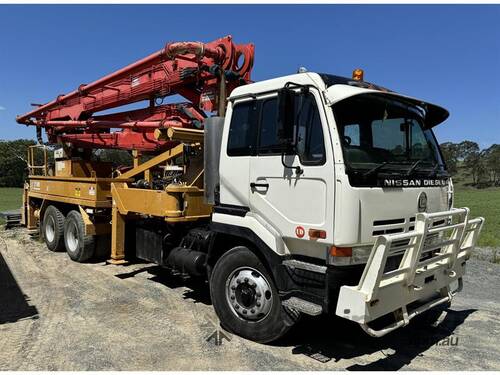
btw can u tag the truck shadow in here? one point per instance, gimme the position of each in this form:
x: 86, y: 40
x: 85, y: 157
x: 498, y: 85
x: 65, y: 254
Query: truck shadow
x: 333, y: 338
x: 14, y: 304
x: 327, y: 338
x: 197, y: 289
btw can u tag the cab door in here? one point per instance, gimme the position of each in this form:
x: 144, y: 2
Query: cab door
x: 293, y: 200
x: 238, y: 146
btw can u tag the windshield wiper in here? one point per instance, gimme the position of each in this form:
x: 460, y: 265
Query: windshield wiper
x: 414, y: 166
x: 435, y: 170
x: 378, y: 167
x: 408, y: 172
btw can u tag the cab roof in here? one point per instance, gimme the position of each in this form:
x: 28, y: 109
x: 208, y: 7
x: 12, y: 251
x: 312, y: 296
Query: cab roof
x: 337, y: 88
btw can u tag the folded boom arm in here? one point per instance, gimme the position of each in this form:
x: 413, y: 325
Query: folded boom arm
x: 203, y: 73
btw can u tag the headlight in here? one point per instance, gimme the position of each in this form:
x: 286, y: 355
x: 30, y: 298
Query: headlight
x: 344, y: 256
x: 360, y: 254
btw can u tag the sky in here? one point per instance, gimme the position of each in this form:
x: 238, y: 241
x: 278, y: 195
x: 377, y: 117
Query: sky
x: 445, y: 54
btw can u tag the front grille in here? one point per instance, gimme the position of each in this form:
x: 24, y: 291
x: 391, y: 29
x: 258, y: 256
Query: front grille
x: 391, y: 226
x: 388, y: 222
x: 394, y: 259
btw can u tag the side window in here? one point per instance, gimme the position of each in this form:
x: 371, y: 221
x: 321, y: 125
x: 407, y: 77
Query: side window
x: 245, y: 122
x: 351, y: 135
x: 310, y: 141
x: 420, y: 147
x: 243, y: 129
x: 269, y: 127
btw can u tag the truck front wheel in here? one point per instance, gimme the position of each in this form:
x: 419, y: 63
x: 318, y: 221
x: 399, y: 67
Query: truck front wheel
x: 79, y: 246
x: 245, y: 297
x: 53, y: 228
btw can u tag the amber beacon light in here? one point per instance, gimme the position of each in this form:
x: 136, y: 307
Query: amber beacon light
x: 357, y: 74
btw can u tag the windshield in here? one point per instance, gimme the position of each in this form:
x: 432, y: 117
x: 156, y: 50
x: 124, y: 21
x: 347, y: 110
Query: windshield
x: 381, y: 135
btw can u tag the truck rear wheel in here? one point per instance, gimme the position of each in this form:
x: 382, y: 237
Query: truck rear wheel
x: 245, y: 297
x: 53, y: 229
x: 80, y: 247
x: 102, y: 247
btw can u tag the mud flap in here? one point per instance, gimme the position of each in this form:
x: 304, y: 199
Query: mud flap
x: 447, y: 238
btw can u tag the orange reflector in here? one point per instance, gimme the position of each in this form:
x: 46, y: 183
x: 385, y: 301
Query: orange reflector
x: 340, y: 251
x: 357, y: 74
x: 317, y: 233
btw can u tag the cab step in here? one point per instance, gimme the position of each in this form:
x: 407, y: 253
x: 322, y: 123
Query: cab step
x: 301, y: 305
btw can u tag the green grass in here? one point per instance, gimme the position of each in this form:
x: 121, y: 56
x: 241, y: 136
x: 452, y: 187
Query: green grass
x: 10, y: 199
x: 485, y: 203
x: 482, y: 202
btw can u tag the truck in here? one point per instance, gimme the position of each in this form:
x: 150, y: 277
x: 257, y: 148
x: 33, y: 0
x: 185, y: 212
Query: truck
x: 309, y: 193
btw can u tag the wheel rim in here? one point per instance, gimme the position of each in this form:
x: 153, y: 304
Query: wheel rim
x: 249, y: 294
x: 72, y: 237
x: 50, y: 229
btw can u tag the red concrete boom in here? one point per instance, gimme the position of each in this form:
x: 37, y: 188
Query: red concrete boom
x: 204, y: 74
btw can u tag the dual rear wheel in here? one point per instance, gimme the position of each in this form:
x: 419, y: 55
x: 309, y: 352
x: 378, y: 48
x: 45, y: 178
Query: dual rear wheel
x: 53, y: 228
x: 67, y: 232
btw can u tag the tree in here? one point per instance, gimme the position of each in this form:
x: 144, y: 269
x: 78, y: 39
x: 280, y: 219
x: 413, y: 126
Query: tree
x: 467, y: 148
x: 475, y: 164
x: 13, y: 167
x: 451, y: 154
x: 492, y: 163
x: 474, y: 160
x: 117, y: 157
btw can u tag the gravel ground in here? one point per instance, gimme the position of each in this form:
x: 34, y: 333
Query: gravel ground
x: 59, y: 315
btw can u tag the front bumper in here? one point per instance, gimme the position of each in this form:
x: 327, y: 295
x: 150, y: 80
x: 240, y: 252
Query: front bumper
x: 380, y: 292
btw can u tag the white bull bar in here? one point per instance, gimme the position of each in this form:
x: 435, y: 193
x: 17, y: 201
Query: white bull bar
x: 381, y: 292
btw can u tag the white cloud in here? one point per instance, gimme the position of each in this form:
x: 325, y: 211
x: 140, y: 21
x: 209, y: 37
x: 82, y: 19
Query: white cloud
x: 2, y: 108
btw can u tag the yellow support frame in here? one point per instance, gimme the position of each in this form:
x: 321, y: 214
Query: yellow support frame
x: 92, y: 228
x: 177, y: 203
x: 85, y: 191
x: 142, y: 168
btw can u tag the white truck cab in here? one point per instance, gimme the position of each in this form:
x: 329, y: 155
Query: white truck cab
x: 339, y: 188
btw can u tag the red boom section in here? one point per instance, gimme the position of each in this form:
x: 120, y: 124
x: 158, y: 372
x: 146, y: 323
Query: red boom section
x: 203, y: 73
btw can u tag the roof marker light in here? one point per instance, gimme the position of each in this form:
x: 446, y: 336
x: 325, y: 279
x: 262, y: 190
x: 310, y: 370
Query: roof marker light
x: 357, y: 74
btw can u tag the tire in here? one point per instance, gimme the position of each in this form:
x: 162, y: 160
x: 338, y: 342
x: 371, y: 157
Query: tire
x: 53, y: 228
x: 102, y: 247
x: 80, y: 247
x: 245, y: 297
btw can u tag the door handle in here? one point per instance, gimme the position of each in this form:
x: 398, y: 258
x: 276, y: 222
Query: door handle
x: 254, y: 185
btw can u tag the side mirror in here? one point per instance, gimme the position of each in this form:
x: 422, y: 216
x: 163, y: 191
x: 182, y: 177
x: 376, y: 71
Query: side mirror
x: 286, y: 114
x: 405, y: 126
x: 286, y: 123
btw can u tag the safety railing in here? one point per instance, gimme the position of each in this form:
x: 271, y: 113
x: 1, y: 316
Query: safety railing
x: 38, y: 160
x: 433, y: 258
